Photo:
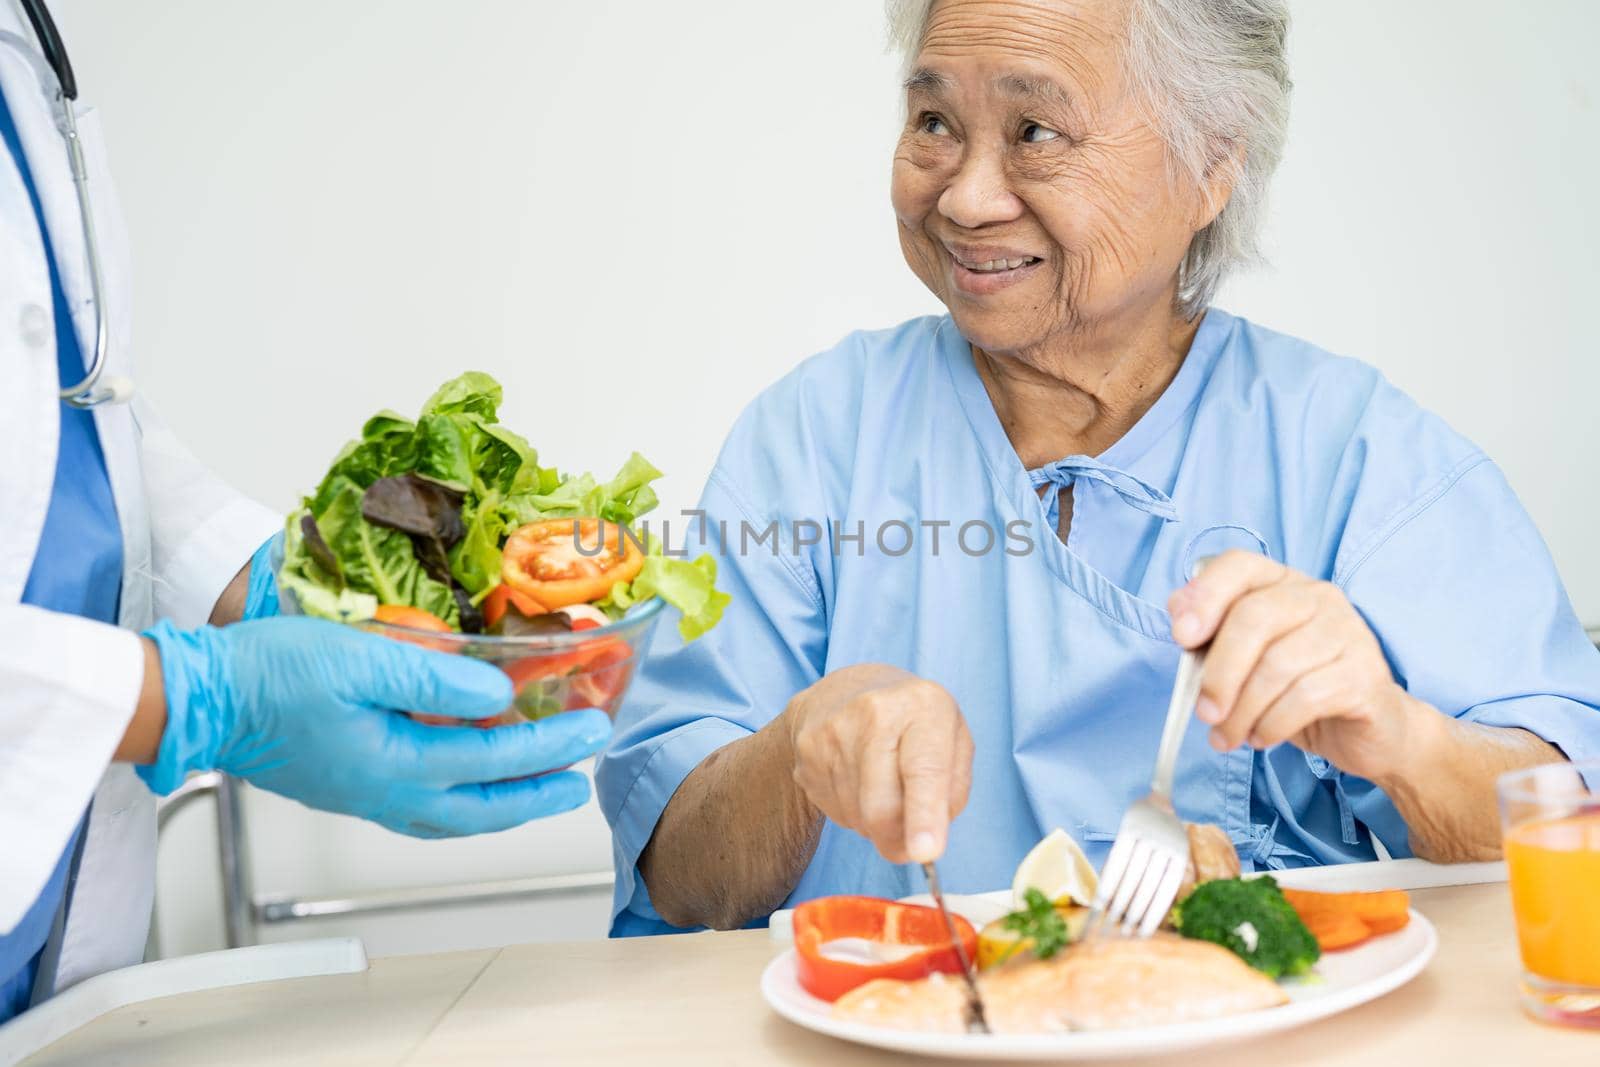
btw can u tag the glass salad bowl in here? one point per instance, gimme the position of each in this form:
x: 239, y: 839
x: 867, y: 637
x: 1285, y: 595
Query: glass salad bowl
x: 549, y: 673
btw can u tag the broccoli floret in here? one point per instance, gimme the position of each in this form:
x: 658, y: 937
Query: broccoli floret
x: 1250, y: 918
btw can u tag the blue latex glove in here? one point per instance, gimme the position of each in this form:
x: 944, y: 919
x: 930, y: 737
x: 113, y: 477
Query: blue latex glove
x: 261, y: 595
x: 303, y: 707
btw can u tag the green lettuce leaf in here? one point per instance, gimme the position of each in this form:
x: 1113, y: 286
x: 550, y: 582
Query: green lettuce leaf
x: 453, y: 442
x: 688, y: 585
x: 318, y: 591
x: 461, y: 443
x: 339, y: 605
x: 568, y: 497
x: 387, y: 446
x: 475, y: 560
x: 628, y: 495
x: 494, y: 475
x: 503, y: 462
x: 472, y: 393
x: 623, y: 499
x: 379, y: 560
x: 444, y: 449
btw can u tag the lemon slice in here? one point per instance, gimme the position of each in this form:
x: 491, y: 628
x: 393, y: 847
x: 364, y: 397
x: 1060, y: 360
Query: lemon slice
x: 1057, y: 868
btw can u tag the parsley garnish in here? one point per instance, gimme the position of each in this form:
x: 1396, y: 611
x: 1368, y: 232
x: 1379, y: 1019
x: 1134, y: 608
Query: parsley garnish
x: 1039, y: 922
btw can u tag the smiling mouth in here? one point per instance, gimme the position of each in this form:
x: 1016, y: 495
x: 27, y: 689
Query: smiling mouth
x: 996, y: 266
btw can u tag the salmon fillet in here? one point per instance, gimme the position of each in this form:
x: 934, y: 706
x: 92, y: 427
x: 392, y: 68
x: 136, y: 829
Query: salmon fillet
x: 1107, y: 984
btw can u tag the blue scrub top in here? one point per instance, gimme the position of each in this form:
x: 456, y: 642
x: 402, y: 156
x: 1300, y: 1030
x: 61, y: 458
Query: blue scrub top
x: 78, y: 570
x: 932, y: 550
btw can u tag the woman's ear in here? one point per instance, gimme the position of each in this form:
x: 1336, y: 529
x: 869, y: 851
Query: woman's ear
x: 1216, y: 185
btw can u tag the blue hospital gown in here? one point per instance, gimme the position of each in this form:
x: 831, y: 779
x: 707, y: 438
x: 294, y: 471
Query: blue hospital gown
x: 1060, y: 655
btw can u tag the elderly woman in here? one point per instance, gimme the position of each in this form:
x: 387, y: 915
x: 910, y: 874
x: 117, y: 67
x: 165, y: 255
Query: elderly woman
x: 962, y: 551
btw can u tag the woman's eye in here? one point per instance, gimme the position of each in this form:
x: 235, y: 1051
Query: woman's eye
x: 931, y: 123
x: 1033, y: 133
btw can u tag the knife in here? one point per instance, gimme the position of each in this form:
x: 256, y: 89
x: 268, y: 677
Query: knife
x: 977, y: 1021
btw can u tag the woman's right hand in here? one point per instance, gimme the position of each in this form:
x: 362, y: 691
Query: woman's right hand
x: 884, y: 753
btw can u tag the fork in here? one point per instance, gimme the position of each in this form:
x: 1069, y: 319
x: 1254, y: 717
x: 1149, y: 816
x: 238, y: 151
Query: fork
x: 1150, y: 854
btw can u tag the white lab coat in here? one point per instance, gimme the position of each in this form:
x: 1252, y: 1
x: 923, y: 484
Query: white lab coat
x: 68, y: 686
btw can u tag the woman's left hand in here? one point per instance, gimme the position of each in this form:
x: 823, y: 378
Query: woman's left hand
x: 1291, y: 660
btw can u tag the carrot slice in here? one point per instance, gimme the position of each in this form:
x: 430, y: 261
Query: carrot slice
x: 1335, y: 930
x: 1387, y: 906
x: 1344, y: 920
x: 1388, y: 909
x: 1388, y: 924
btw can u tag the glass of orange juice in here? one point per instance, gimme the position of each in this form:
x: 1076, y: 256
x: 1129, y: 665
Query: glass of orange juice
x: 1551, y: 816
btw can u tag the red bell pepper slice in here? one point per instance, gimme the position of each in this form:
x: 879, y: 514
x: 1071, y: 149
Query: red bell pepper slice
x: 494, y: 605
x: 817, y: 922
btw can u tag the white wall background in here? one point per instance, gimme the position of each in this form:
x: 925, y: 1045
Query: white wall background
x: 335, y: 204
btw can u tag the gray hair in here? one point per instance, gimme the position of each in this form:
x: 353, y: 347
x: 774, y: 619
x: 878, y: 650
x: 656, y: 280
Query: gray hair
x: 1214, y: 76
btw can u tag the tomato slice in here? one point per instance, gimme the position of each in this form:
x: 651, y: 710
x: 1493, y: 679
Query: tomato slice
x: 557, y: 562
x: 602, y: 651
x: 816, y: 922
x: 603, y: 679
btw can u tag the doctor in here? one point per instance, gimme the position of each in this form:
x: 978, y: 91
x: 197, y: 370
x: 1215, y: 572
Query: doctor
x: 121, y: 562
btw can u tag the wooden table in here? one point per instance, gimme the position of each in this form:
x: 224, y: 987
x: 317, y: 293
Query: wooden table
x: 693, y: 1000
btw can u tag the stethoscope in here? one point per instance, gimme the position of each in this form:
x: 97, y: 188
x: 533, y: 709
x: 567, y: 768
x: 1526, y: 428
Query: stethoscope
x: 91, y: 391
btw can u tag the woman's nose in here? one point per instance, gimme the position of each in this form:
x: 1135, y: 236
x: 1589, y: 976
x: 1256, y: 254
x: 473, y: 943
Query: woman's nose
x: 979, y: 194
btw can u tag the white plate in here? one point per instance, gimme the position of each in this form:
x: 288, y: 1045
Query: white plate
x: 1342, y: 980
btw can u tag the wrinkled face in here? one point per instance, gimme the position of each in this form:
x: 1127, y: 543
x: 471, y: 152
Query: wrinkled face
x: 1032, y: 196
